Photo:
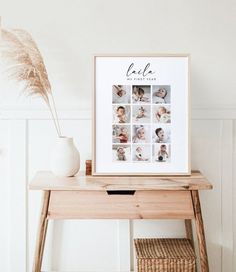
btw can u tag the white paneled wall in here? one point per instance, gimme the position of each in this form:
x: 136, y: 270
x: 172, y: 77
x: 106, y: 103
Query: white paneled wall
x: 68, y: 34
x: 26, y: 139
x: 4, y: 196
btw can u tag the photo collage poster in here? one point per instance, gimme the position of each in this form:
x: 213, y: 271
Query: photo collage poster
x: 141, y: 126
x: 141, y: 116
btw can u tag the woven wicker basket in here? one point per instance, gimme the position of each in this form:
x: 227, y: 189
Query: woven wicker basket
x: 165, y: 255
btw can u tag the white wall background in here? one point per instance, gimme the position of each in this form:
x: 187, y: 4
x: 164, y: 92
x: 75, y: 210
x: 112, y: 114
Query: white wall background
x: 68, y: 33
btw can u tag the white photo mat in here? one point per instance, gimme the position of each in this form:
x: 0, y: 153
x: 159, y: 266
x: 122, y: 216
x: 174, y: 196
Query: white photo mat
x: 141, y: 115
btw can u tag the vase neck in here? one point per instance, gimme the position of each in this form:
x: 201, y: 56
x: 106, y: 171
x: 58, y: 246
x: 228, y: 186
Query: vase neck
x: 65, y: 140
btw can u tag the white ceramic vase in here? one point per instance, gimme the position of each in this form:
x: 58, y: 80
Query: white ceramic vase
x: 65, y: 158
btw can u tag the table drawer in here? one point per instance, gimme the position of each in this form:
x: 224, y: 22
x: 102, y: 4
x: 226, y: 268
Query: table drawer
x: 120, y: 205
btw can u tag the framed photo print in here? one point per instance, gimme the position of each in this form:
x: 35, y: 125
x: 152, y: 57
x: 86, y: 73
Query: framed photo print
x: 141, y: 115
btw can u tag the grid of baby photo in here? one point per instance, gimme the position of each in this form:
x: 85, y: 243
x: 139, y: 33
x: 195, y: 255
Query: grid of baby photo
x: 141, y: 123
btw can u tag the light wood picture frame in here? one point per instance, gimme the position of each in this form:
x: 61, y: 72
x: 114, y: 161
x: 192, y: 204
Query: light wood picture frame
x: 141, y: 115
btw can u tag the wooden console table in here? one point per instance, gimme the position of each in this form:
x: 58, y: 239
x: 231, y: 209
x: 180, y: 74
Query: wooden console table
x: 90, y: 197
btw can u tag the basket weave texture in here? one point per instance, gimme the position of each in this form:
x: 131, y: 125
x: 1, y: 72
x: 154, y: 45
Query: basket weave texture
x: 164, y: 255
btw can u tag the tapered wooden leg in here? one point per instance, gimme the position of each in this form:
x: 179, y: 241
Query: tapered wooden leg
x: 189, y: 230
x: 189, y: 233
x: 200, y: 232
x: 42, y: 231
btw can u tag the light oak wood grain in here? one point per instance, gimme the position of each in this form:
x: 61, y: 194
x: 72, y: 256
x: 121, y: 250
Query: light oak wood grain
x: 42, y: 231
x: 200, y: 232
x: 89, y: 197
x: 47, y: 181
x: 189, y: 230
x: 189, y: 234
x: 141, y: 205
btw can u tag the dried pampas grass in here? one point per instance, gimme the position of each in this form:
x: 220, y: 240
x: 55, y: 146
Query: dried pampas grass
x: 24, y: 63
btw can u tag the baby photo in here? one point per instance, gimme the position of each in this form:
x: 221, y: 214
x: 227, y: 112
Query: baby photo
x: 161, y: 114
x: 141, y: 94
x: 121, y: 94
x: 161, y: 94
x: 120, y: 134
x: 121, y: 114
x: 161, y: 153
x: 141, y: 114
x: 161, y: 134
x: 141, y: 134
x: 141, y: 153
x: 121, y: 153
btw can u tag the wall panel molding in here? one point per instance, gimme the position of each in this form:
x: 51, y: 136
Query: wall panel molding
x: 227, y: 194
x: 18, y: 195
x: 234, y: 194
x: 4, y: 197
x: 198, y: 113
x: 124, y: 240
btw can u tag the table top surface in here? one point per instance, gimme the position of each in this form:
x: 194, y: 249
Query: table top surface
x: 45, y: 180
